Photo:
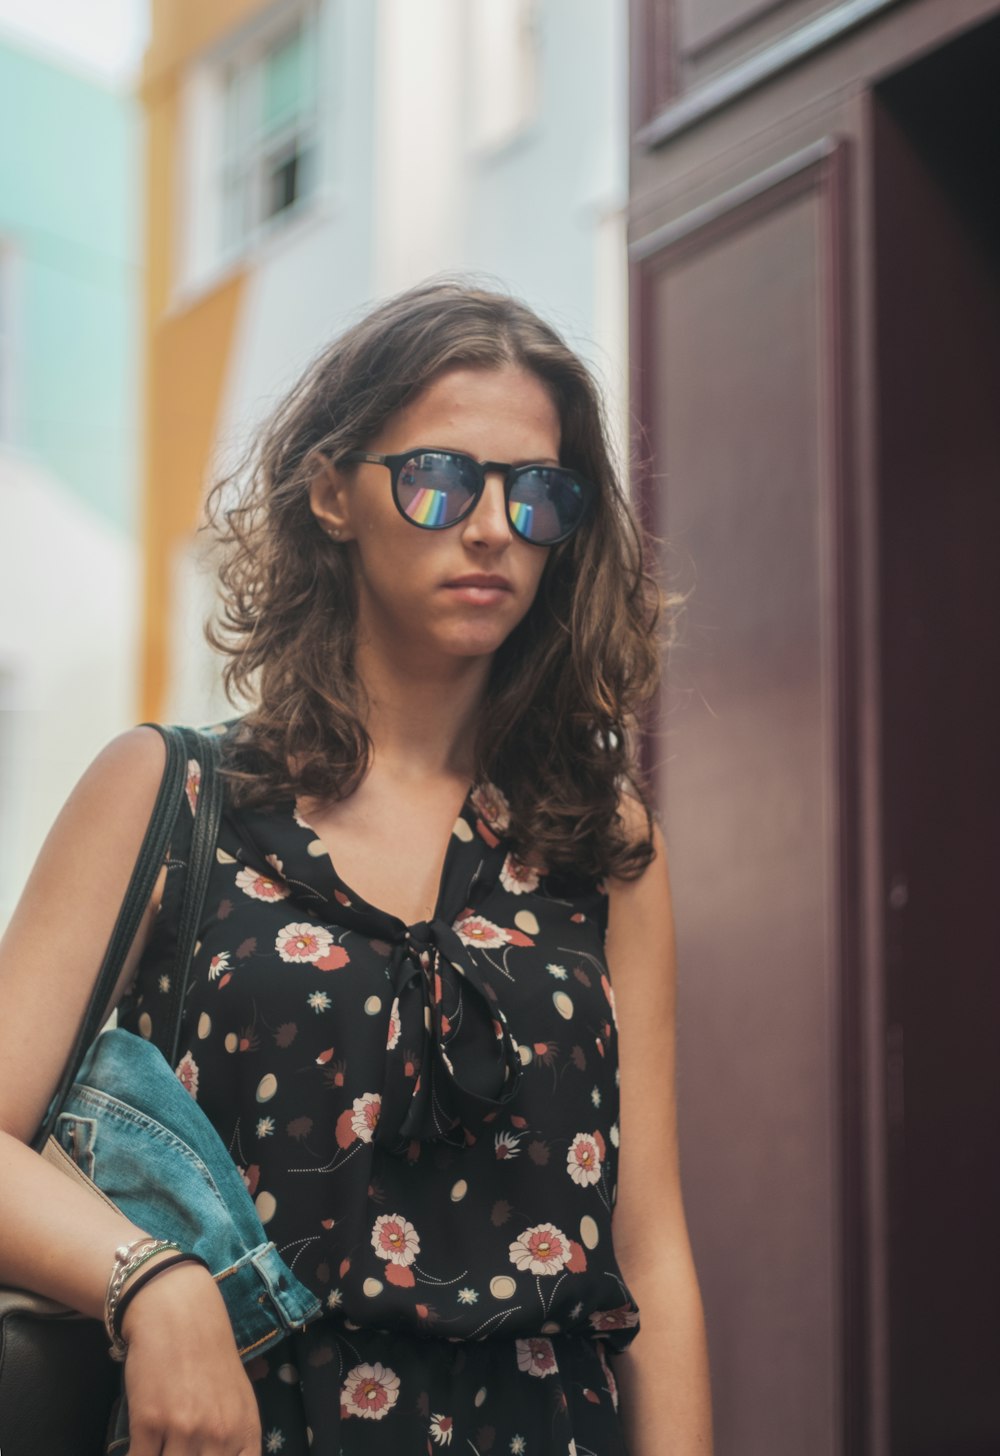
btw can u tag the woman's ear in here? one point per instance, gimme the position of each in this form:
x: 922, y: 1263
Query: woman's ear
x: 328, y: 495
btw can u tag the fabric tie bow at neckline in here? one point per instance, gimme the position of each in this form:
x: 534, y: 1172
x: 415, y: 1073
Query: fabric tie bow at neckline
x: 451, y: 1060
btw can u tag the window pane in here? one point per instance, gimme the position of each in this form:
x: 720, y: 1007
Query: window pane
x: 286, y: 177
x: 283, y: 78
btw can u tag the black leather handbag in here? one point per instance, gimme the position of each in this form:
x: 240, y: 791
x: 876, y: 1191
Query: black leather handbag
x: 58, y: 1382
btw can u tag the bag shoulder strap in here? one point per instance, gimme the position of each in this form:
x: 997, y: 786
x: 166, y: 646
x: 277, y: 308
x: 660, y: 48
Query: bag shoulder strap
x: 140, y: 888
x: 202, y: 749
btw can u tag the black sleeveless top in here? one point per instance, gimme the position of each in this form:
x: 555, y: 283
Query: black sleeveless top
x: 426, y: 1117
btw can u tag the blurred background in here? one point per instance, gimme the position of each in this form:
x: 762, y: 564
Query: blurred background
x: 773, y: 229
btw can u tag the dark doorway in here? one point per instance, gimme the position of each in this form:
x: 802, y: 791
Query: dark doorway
x: 937, y: 218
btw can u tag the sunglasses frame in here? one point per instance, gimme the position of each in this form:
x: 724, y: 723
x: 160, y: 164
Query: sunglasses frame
x: 395, y: 463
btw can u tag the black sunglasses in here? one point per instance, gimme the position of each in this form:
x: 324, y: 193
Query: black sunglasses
x: 435, y: 489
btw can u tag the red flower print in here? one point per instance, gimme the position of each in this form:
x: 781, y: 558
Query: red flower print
x: 335, y: 958
x: 187, y: 1073
x: 622, y: 1318
x: 477, y: 930
x: 395, y: 1239
x: 536, y: 1357
x: 491, y: 804
x: 518, y: 878
x: 505, y: 1145
x: 583, y: 1161
x: 359, y: 1121
x: 393, y: 1026
x: 369, y: 1391
x: 542, y: 1249
x: 259, y: 887
x: 300, y: 943
x: 193, y: 783
x: 441, y: 1429
x: 218, y: 964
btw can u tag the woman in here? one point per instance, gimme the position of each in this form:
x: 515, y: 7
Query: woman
x: 435, y: 861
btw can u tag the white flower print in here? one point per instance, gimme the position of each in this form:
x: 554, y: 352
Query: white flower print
x: 560, y: 972
x: 334, y: 1299
x: 164, y: 984
x: 583, y: 1161
x: 441, y: 1428
x: 491, y: 804
x: 218, y: 964
x: 542, y: 1249
x: 297, y: 943
x: 319, y: 1001
x: 395, y: 1239
x: 370, y: 1391
x: 393, y: 1025
x: 518, y: 878
x: 260, y: 887
x: 193, y: 783
x: 536, y: 1356
x: 467, y: 1296
x: 614, y: 1134
x: 477, y: 930
x: 595, y: 1097
x: 187, y: 1073
x: 366, y: 1115
x: 265, y: 1127
x: 274, y: 1440
x: 517, y: 1445
x: 505, y: 1144
x: 577, y: 1310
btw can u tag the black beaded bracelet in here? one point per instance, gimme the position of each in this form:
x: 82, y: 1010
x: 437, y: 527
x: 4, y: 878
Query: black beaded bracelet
x: 143, y: 1279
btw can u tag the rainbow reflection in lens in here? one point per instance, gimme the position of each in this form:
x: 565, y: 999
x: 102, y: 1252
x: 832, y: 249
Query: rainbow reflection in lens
x: 428, y: 507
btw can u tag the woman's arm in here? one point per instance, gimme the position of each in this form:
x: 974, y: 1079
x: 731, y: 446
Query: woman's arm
x: 664, y: 1376
x: 184, y: 1378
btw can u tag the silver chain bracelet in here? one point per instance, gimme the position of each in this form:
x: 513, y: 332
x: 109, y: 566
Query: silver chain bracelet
x: 128, y: 1258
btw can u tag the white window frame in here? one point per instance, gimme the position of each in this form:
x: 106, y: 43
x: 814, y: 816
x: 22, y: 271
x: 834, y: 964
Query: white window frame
x: 203, y: 257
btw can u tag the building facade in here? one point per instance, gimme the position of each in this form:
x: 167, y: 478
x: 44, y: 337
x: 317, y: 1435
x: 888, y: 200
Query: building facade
x: 309, y: 157
x: 69, y: 355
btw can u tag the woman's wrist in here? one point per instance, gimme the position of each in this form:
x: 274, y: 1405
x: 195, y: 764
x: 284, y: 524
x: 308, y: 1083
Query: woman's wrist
x: 172, y: 1288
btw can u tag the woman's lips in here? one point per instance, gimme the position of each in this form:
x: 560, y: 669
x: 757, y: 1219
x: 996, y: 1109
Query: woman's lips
x: 486, y: 596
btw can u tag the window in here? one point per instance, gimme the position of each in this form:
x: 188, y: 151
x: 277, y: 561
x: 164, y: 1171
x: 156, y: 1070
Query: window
x: 504, y: 45
x: 250, y: 140
x: 268, y: 159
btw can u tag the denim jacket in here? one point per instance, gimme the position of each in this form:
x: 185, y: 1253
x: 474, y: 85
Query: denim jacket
x: 136, y: 1132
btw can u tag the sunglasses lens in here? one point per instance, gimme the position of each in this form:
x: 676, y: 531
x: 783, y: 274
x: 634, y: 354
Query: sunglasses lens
x: 546, y: 503
x: 434, y: 488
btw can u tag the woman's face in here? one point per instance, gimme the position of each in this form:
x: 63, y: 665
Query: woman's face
x: 403, y: 572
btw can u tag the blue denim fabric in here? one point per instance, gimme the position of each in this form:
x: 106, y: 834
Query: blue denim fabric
x: 140, y: 1136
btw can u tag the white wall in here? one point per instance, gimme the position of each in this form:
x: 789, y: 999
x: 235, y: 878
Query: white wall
x: 68, y: 642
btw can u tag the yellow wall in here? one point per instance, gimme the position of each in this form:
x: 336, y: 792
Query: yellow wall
x: 187, y: 351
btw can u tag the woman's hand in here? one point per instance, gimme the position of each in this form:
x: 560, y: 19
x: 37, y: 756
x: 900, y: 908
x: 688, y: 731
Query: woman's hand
x: 188, y: 1394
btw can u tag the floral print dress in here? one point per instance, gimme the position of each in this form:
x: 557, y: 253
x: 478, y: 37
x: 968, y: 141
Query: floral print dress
x: 426, y: 1117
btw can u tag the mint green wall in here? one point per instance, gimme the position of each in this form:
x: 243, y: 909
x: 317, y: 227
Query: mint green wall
x: 69, y: 202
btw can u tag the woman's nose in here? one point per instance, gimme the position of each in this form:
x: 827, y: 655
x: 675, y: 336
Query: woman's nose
x: 488, y: 519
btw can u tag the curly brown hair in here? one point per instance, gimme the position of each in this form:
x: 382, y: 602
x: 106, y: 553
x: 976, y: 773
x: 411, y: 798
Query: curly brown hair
x: 558, y: 725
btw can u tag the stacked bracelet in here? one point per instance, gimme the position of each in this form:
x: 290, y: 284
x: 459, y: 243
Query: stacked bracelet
x: 118, y: 1341
x: 129, y: 1258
